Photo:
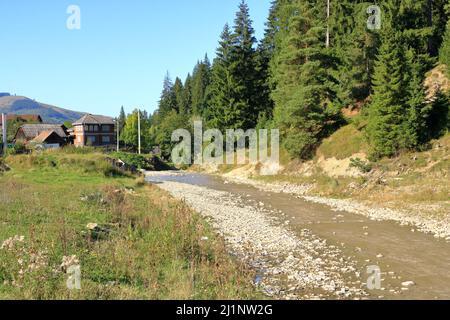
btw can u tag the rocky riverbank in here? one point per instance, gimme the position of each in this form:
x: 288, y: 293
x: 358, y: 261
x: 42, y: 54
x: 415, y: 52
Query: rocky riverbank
x: 438, y: 226
x: 290, y: 265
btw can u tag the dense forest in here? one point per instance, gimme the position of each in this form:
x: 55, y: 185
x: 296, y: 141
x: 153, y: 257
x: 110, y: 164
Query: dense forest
x: 312, y: 64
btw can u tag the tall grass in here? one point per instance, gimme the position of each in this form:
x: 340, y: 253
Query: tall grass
x: 145, y: 245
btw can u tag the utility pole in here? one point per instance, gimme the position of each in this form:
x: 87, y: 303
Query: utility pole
x: 4, y: 132
x: 139, y: 131
x: 118, y: 133
x: 327, y: 43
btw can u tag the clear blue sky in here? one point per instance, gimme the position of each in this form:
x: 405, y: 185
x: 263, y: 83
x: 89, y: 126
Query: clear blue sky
x: 120, y: 55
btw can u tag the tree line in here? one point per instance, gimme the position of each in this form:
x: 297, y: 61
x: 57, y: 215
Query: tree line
x: 309, y: 67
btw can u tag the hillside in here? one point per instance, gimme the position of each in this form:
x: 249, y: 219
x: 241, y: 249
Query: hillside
x: 340, y: 174
x: 23, y: 105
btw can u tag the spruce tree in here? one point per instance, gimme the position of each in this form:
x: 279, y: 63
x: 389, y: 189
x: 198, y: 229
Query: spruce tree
x: 444, y: 53
x: 122, y: 118
x: 264, y: 55
x: 244, y: 69
x: 438, y: 120
x: 201, y: 79
x: 301, y: 72
x: 222, y: 112
x: 237, y: 92
x: 416, y: 131
x: 167, y: 101
x: 355, y: 46
x: 186, y: 106
x: 388, y: 115
x: 178, y: 91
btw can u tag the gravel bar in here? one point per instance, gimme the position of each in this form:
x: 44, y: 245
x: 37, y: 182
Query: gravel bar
x: 290, y: 265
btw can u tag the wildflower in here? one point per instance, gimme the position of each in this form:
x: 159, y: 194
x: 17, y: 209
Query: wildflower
x: 9, y: 243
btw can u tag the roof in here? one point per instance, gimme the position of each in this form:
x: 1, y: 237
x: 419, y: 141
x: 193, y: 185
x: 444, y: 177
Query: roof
x: 44, y: 135
x: 31, y: 131
x: 23, y: 117
x: 94, y: 119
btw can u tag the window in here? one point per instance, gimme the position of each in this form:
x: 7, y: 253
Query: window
x: 106, y: 128
x: 106, y: 139
x: 90, y: 140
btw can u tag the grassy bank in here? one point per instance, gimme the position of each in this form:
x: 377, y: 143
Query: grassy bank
x: 140, y: 244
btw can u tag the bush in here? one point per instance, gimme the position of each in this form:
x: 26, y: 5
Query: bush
x: 364, y: 167
x: 18, y: 148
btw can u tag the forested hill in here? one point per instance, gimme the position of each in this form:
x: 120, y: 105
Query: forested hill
x: 295, y: 80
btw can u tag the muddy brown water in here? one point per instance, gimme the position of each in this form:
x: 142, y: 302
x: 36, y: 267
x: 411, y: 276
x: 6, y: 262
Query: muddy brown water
x: 402, y: 255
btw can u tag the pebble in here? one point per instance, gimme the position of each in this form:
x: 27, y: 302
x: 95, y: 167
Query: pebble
x: 439, y: 227
x: 380, y: 256
x: 408, y: 284
x: 254, y: 235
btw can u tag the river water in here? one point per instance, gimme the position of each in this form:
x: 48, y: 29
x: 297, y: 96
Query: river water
x: 401, y: 254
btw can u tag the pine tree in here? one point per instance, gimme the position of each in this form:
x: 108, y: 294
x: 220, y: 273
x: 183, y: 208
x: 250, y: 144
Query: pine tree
x: 244, y: 69
x: 201, y: 79
x: 438, y: 120
x: 355, y: 46
x: 237, y: 90
x: 438, y: 14
x: 222, y: 112
x: 387, y: 114
x: 122, y: 118
x: 400, y: 117
x: 178, y: 91
x: 167, y: 101
x: 186, y: 107
x: 300, y: 70
x: 416, y: 131
x: 444, y: 53
x: 264, y: 55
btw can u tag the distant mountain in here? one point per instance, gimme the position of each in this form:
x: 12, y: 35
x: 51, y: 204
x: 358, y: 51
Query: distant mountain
x: 23, y: 105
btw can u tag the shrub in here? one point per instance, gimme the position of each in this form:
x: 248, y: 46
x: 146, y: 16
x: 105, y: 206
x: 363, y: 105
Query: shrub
x: 18, y: 148
x: 141, y: 162
x: 364, y: 167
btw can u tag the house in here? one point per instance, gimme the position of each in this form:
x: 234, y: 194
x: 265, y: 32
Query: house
x: 94, y: 130
x: 29, y: 132
x: 24, y: 118
x: 49, y: 139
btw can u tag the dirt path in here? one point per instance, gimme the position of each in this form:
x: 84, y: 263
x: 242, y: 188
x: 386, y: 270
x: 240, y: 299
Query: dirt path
x: 306, y: 251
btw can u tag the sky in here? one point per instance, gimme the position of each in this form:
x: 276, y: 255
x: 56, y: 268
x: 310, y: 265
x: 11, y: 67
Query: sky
x: 120, y: 54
